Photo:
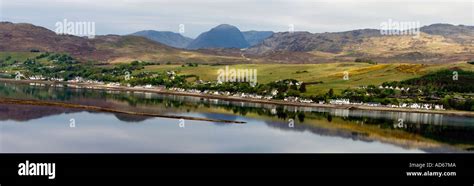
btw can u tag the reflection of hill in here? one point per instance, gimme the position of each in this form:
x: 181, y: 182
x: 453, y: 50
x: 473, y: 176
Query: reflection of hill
x: 367, y: 133
x: 423, y: 131
x: 130, y: 118
x: 221, y: 116
x: 29, y: 112
x: 322, y: 131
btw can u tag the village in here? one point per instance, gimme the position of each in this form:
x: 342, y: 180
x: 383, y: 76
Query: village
x: 79, y: 82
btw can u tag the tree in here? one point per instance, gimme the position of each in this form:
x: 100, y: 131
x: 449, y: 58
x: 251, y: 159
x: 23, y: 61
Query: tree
x: 330, y: 93
x: 301, y: 116
x: 293, y: 87
x: 303, y: 87
x: 293, y: 93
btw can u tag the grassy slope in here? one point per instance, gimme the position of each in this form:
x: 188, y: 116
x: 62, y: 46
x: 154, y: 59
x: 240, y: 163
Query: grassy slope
x: 331, y: 73
x: 130, y: 48
x: 20, y: 57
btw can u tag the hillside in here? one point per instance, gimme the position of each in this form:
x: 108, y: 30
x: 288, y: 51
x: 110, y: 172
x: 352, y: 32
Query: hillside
x: 440, y: 43
x: 443, y: 81
x: 460, y: 34
x: 305, y: 41
x: 361, y: 74
x: 164, y: 37
x: 256, y: 37
x: 21, y: 37
x: 26, y: 37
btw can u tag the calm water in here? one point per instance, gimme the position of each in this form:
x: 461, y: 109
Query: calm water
x: 268, y: 128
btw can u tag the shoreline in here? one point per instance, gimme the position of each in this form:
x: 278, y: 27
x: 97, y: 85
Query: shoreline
x: 251, y: 100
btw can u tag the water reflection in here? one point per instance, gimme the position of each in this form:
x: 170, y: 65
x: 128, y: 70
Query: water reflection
x: 422, y: 131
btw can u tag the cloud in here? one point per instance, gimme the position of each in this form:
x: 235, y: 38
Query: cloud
x: 126, y: 16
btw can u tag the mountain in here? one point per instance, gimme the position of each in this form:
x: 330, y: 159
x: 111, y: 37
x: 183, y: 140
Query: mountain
x: 305, y: 41
x: 222, y: 36
x: 23, y: 37
x: 436, y: 43
x: 130, y: 48
x: 256, y: 37
x: 26, y: 37
x: 179, y: 41
x: 460, y: 33
x: 168, y: 38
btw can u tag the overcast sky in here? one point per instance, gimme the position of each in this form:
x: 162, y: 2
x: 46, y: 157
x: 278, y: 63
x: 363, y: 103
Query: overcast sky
x: 127, y: 16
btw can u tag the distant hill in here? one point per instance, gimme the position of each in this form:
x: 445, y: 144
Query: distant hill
x: 129, y: 48
x: 222, y: 36
x: 460, y: 33
x: 305, y: 41
x: 256, y: 37
x: 436, y: 43
x: 26, y: 37
x: 334, y: 42
x: 165, y: 37
x: 23, y: 37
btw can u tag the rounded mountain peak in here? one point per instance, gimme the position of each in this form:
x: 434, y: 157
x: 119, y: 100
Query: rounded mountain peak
x: 221, y: 36
x: 225, y: 27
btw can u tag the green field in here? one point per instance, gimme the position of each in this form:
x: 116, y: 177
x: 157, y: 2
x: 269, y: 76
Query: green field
x: 330, y: 73
x: 8, y: 59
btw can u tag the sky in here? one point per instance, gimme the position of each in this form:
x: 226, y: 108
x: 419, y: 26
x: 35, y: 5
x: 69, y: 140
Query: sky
x: 197, y: 16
